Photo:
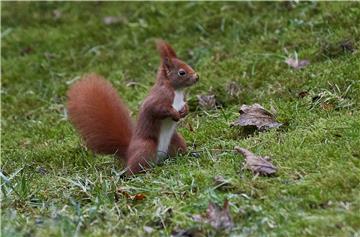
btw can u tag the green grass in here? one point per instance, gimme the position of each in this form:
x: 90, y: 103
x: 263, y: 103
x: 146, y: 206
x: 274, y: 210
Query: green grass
x: 58, y: 188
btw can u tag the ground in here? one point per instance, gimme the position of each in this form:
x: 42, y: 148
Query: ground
x: 52, y: 186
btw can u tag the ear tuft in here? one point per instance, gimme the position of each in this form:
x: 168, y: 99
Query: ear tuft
x: 165, y: 50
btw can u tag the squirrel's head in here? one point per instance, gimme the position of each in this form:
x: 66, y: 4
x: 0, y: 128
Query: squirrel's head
x: 178, y: 73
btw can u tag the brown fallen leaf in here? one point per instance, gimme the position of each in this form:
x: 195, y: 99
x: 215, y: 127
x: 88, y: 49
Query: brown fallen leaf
x: 218, y: 217
x: 335, y: 49
x: 233, y: 89
x: 347, y: 46
x: 41, y: 170
x: 207, y: 101
x: 218, y: 179
x: 121, y: 192
x: 138, y: 196
x: 56, y: 14
x: 221, y: 182
x: 112, y: 20
x: 258, y: 165
x: 296, y: 63
x: 256, y: 115
x: 302, y: 94
x: 327, y: 106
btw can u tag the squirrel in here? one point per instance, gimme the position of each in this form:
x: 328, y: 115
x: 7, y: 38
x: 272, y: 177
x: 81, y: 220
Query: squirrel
x: 104, y: 122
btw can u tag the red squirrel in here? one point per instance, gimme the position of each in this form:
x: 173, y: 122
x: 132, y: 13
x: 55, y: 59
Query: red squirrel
x: 104, y: 122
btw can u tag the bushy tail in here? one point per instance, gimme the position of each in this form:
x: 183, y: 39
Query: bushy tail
x: 99, y: 115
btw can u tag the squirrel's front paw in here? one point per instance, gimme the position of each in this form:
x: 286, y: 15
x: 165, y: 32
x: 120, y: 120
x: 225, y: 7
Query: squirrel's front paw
x: 184, y: 111
x: 175, y: 115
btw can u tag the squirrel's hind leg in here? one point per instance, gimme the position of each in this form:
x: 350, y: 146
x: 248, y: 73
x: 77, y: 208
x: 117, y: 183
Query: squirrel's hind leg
x: 141, y: 156
x: 177, y: 145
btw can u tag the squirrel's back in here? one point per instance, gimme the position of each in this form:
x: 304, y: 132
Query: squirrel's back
x: 99, y: 115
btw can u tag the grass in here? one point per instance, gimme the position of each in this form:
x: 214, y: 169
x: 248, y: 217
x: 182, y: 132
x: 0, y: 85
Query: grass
x: 52, y: 186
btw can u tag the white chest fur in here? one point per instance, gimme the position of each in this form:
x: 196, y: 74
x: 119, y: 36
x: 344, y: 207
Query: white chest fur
x: 178, y: 102
x: 168, y: 126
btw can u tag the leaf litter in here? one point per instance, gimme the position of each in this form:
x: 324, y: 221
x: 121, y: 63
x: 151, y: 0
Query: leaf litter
x: 257, y: 164
x: 113, y: 20
x: 122, y: 192
x: 256, y: 116
x: 332, y: 50
x: 233, y: 89
x: 295, y: 62
x: 207, y: 101
x: 218, y: 217
x: 221, y: 182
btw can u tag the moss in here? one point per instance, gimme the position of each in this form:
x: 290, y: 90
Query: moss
x: 58, y: 188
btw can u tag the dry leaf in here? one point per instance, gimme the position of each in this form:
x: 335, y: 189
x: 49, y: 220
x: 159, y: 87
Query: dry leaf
x: 347, y: 46
x: 256, y: 115
x: 112, y: 20
x: 220, y: 181
x: 218, y: 217
x: 56, y: 14
x: 327, y: 106
x: 41, y: 170
x: 302, y: 94
x: 332, y: 50
x: 233, y: 89
x: 137, y: 197
x: 148, y: 229
x: 257, y: 164
x: 296, y: 63
x: 207, y: 101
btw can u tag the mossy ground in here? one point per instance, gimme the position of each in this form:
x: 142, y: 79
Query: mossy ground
x: 58, y: 188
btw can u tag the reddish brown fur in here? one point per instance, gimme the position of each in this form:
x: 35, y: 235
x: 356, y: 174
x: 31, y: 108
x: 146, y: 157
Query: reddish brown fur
x: 177, y: 144
x: 100, y: 116
x: 103, y: 120
x: 156, y: 107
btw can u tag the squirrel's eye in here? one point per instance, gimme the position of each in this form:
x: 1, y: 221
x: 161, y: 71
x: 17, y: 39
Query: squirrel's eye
x: 181, y: 72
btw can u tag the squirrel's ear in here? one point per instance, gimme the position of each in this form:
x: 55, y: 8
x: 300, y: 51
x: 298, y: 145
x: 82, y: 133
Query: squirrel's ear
x: 166, y: 53
x: 165, y: 49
